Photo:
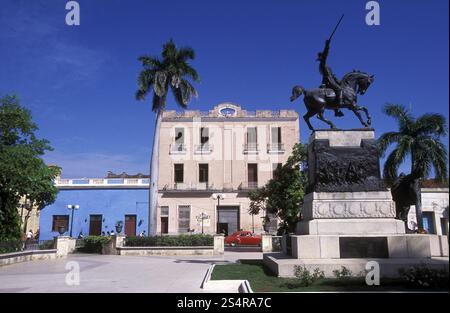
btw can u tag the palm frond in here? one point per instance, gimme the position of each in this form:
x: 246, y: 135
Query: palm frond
x: 388, y: 139
x: 184, y: 93
x: 431, y: 124
x: 401, y: 114
x: 169, y: 50
x: 185, y: 53
x: 150, y: 62
x: 160, y: 83
x: 190, y: 72
x: 437, y: 153
x: 392, y: 163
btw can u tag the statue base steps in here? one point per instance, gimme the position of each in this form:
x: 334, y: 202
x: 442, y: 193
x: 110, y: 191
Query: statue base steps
x: 331, y: 252
x: 389, y: 268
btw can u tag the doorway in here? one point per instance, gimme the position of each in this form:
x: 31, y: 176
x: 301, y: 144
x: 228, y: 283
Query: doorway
x: 95, y: 225
x: 164, y: 224
x: 228, y: 220
x: 130, y: 225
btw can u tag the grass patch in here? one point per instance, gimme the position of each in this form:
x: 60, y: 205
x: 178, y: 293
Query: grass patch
x: 262, y: 280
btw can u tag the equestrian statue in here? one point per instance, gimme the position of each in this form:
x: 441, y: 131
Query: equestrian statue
x: 334, y: 94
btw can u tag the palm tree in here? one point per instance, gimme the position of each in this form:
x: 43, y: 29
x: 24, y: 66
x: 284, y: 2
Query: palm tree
x: 420, y: 139
x: 158, y: 75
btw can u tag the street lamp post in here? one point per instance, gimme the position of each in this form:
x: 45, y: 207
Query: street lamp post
x: 203, y: 216
x: 219, y: 197
x: 72, y: 207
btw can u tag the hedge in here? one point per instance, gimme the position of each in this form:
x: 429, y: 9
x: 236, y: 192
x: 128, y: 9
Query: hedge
x: 194, y: 240
x: 93, y: 244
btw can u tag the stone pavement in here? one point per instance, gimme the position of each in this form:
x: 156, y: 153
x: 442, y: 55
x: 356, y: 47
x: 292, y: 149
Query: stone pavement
x: 111, y: 273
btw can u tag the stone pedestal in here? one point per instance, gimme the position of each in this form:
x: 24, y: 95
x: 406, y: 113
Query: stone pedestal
x: 64, y: 245
x: 348, y: 213
x: 266, y: 243
x: 219, y: 244
x: 116, y: 241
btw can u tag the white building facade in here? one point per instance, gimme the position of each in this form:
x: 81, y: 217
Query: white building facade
x: 210, y: 161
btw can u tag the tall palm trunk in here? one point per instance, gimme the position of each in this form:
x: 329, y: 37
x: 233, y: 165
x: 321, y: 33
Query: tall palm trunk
x: 418, y: 196
x: 154, y: 173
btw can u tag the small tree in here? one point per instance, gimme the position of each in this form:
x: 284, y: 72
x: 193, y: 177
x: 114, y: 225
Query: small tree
x: 22, y: 172
x: 283, y: 195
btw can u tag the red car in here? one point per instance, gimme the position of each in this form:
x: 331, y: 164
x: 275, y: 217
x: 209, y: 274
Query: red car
x: 246, y: 238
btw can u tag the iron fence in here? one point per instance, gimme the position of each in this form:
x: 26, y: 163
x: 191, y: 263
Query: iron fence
x: 11, y: 246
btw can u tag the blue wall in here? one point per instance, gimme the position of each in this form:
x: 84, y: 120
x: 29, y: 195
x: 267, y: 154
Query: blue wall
x: 113, y: 204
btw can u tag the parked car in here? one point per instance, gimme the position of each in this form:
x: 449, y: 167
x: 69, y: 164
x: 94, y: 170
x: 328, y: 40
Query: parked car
x: 246, y: 238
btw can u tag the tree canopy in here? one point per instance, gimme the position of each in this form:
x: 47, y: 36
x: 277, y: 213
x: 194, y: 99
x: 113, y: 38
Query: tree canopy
x: 419, y: 138
x: 22, y: 171
x: 283, y: 195
x: 168, y: 72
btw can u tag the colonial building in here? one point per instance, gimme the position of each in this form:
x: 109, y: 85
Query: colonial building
x: 435, y: 204
x: 210, y: 161
x: 99, y: 203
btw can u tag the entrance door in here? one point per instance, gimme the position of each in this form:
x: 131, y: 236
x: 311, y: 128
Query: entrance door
x: 130, y: 225
x: 164, y: 224
x: 228, y: 219
x: 95, y: 225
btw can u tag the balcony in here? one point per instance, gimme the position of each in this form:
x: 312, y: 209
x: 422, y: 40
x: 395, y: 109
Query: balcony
x: 189, y: 187
x: 275, y: 148
x: 251, y: 148
x: 178, y: 148
x: 248, y: 186
x: 204, y: 148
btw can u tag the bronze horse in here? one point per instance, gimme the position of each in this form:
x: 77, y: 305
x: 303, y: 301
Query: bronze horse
x: 320, y: 99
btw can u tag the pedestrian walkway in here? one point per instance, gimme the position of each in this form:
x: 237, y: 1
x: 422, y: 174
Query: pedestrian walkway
x: 111, y: 273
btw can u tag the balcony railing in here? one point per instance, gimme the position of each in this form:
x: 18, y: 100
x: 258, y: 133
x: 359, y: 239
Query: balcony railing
x: 275, y: 147
x: 251, y: 148
x: 204, y: 148
x: 178, y: 148
x: 189, y: 186
x: 94, y: 182
x: 248, y: 186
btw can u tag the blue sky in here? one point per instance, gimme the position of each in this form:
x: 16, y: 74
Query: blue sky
x: 80, y: 81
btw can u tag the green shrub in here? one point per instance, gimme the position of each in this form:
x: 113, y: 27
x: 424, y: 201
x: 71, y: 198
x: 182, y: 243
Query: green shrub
x: 423, y: 276
x: 194, y: 240
x: 94, y: 244
x: 344, y: 272
x: 9, y: 246
x: 304, y: 276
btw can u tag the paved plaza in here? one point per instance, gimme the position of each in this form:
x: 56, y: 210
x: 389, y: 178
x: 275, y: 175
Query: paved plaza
x: 111, y: 273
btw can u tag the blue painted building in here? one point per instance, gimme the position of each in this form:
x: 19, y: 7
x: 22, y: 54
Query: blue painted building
x: 102, y: 202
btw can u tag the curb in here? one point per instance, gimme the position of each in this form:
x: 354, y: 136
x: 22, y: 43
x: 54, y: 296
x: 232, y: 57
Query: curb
x: 207, y: 276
